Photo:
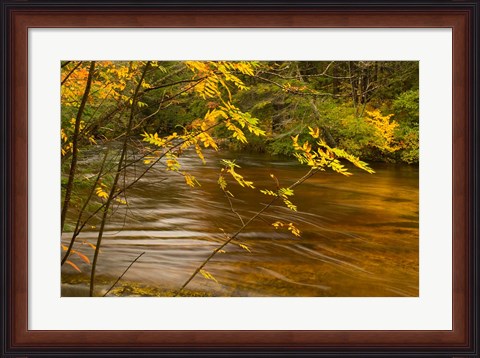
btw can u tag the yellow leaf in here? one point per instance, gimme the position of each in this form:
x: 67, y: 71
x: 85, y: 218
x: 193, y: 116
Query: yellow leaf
x: 208, y: 141
x: 268, y: 192
x: 277, y: 224
x: 295, y: 139
x: 222, y: 182
x: 63, y: 135
x: 245, y: 247
x: 121, y: 201
x: 307, y: 147
x: 190, y: 180
x: 293, y: 230
x: 172, y: 164
x: 148, y: 159
x: 315, y: 133
x: 101, y: 193
x: 208, y: 275
x: 230, y: 168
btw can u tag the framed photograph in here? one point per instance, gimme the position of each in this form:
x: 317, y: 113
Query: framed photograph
x: 217, y: 178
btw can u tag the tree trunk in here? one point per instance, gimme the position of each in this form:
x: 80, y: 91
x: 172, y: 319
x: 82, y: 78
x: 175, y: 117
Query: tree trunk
x: 73, y: 165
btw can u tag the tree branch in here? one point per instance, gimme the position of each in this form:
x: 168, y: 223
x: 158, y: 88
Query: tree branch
x: 115, y: 180
x: 231, y: 238
x: 73, y: 165
x: 80, y: 214
x: 70, y: 73
x: 123, y: 274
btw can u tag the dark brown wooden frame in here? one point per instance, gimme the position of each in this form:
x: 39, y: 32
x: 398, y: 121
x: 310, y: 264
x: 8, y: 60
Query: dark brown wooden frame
x: 17, y: 17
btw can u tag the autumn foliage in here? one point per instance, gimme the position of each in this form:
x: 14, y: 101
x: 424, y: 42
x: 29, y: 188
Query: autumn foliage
x: 327, y: 115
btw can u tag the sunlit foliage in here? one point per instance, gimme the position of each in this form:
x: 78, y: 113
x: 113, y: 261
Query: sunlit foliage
x: 326, y: 114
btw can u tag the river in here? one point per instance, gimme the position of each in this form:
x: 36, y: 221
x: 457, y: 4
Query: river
x: 359, y: 234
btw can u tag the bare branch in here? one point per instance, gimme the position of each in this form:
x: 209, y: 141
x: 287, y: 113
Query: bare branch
x: 231, y: 238
x: 123, y: 274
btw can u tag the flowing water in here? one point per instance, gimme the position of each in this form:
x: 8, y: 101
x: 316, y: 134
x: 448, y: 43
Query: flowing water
x: 359, y: 234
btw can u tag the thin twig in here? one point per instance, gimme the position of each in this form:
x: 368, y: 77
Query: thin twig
x: 296, y: 92
x: 323, y: 74
x: 115, y: 180
x: 231, y: 238
x: 232, y: 209
x: 123, y: 274
x: 70, y: 73
x: 120, y: 191
x: 173, y: 84
x: 80, y: 214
